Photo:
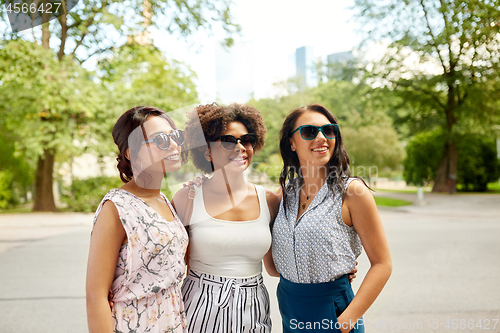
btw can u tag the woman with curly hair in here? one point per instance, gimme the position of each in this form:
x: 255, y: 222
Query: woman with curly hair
x: 229, y: 228
x: 324, y: 220
x: 138, y: 243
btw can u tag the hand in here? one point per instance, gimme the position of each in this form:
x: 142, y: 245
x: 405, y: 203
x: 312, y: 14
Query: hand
x: 110, y: 302
x: 197, y: 181
x: 352, y: 274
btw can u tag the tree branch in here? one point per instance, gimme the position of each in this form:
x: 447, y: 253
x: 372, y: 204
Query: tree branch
x: 433, y: 41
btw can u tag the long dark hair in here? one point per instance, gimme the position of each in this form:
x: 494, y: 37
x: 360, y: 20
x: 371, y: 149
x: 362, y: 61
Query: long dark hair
x: 338, y: 166
x: 125, y: 126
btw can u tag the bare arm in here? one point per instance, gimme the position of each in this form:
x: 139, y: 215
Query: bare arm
x: 180, y: 202
x: 366, y: 220
x: 273, y: 202
x: 107, y: 237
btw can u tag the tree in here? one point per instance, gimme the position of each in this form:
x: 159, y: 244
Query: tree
x: 367, y: 130
x: 92, y: 28
x: 443, y: 62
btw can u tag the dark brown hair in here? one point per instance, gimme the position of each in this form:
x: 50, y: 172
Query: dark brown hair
x: 125, y: 126
x: 214, y: 119
x: 338, y: 165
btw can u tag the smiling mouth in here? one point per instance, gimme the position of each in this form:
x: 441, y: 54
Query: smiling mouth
x: 172, y: 157
x: 321, y: 149
x: 238, y: 159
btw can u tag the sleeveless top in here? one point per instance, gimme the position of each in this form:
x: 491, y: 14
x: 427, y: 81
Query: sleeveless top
x: 319, y: 246
x: 228, y: 248
x: 153, y: 258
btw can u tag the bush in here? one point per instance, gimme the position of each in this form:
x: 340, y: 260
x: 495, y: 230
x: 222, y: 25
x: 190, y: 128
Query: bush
x: 477, y: 162
x: 86, y: 194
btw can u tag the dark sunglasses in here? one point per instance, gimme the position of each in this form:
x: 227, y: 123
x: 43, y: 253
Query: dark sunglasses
x: 162, y: 140
x: 309, y: 132
x: 228, y: 142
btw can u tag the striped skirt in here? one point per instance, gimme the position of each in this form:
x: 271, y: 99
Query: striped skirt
x: 225, y: 305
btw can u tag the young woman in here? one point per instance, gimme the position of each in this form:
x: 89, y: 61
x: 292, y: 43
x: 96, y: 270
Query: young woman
x: 324, y: 219
x: 229, y: 228
x: 138, y: 243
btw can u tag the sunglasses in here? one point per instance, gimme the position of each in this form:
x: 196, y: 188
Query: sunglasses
x: 309, y: 132
x: 229, y: 142
x: 162, y: 140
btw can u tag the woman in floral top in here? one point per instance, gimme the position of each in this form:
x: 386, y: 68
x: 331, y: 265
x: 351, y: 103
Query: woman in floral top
x: 138, y: 243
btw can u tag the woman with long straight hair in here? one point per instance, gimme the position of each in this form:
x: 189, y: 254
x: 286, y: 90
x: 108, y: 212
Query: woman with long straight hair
x: 325, y: 219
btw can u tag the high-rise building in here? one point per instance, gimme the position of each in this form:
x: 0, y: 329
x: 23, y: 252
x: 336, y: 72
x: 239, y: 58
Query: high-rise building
x: 302, y: 67
x: 234, y: 72
x: 338, y: 65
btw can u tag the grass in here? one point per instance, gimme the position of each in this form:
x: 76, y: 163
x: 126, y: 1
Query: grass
x: 400, y: 191
x: 16, y: 210
x: 390, y: 202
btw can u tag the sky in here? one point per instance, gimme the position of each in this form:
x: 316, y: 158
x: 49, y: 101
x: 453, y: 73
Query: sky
x: 275, y: 28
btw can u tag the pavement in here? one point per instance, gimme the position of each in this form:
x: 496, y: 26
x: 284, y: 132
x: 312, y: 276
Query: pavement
x: 445, y: 278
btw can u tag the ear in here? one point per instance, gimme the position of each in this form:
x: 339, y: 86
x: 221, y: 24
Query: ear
x: 208, y: 155
x: 291, y: 145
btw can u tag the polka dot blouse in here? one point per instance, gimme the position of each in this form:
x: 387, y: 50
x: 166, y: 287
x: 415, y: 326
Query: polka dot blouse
x: 317, y: 247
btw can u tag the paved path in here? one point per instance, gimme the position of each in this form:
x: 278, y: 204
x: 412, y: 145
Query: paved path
x: 445, y: 257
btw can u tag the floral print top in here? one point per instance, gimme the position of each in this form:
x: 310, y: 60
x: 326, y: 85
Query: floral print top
x: 153, y: 258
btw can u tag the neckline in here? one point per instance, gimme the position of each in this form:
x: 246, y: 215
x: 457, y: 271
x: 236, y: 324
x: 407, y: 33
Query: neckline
x: 148, y: 206
x: 229, y: 221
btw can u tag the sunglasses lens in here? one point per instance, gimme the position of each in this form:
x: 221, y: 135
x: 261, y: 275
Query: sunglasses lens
x: 248, y: 141
x: 162, y: 141
x: 178, y: 137
x: 309, y: 132
x: 330, y: 131
x: 228, y: 142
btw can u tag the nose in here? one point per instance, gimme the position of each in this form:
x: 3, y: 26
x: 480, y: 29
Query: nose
x: 320, y: 135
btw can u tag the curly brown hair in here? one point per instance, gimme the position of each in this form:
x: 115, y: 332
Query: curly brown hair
x: 214, y: 119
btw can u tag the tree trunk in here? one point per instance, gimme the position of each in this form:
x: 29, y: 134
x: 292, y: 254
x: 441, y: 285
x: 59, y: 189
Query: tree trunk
x: 445, y: 180
x: 44, y: 196
x: 446, y: 177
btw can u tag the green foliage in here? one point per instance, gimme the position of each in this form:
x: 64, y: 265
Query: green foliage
x: 273, y: 168
x: 16, y: 173
x: 48, y: 104
x: 141, y: 75
x: 443, y: 65
x: 86, y: 194
x: 390, y: 202
x: 423, y: 155
x: 368, y: 134
x: 477, y: 162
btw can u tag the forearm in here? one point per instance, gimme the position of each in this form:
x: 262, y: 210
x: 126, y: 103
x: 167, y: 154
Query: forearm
x: 99, y: 315
x: 370, y: 288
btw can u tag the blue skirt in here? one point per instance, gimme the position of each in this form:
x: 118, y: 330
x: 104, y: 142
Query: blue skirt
x: 314, y: 307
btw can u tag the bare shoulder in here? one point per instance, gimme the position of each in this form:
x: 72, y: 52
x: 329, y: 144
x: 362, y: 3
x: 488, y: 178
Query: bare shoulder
x: 108, y: 211
x: 358, y: 194
x: 180, y: 199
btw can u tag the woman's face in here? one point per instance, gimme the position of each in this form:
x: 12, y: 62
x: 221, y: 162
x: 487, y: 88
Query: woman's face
x: 315, y: 152
x: 236, y: 160
x: 150, y: 156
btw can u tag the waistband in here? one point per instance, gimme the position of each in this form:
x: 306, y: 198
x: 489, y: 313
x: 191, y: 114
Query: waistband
x: 215, y: 280
x: 316, y: 289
